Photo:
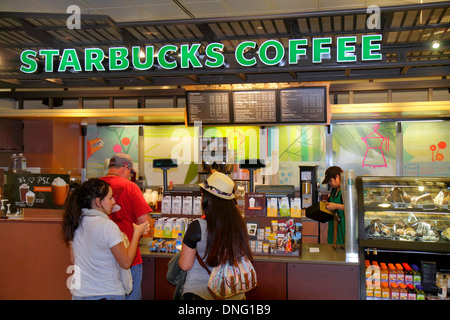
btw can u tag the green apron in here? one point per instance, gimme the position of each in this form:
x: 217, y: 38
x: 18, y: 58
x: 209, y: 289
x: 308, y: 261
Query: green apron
x: 336, y: 197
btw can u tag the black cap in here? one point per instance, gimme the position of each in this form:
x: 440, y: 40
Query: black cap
x: 331, y: 173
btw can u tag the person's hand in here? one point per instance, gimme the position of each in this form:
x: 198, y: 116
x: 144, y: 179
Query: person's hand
x: 334, y: 206
x: 141, y: 228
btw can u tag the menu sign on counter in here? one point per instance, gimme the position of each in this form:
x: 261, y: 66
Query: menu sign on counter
x: 303, y: 105
x: 209, y: 107
x: 35, y: 190
x: 255, y: 106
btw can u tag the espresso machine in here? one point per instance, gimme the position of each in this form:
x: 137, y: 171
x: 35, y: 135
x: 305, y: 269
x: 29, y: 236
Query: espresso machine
x: 308, y: 185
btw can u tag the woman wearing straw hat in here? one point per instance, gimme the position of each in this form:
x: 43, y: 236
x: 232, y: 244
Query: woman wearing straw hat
x: 220, y: 237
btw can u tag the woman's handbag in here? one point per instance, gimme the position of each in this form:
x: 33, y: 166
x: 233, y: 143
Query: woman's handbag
x: 176, y: 276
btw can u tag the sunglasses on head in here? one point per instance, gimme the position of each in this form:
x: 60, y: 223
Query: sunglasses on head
x: 131, y: 169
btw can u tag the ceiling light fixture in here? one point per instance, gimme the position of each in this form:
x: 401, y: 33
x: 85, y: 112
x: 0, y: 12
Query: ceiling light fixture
x: 435, y: 44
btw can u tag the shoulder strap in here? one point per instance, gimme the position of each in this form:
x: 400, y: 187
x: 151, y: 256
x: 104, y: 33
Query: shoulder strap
x: 202, y: 223
x: 200, y: 260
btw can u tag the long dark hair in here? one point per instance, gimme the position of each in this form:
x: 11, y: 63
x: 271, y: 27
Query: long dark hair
x: 80, y: 198
x: 227, y: 233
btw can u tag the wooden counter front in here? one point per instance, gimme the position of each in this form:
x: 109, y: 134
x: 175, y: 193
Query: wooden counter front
x: 320, y: 273
x: 34, y: 260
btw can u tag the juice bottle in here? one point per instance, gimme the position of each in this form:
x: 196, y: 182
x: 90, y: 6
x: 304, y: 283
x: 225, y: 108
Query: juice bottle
x: 377, y: 293
x: 420, y: 294
x: 376, y: 276
x: 400, y: 273
x: 384, y: 273
x: 369, y: 271
x: 392, y: 274
x: 417, y: 278
x: 369, y: 292
x: 409, y: 274
x: 403, y: 292
x: 395, y: 293
x: 411, y: 292
x: 385, y: 292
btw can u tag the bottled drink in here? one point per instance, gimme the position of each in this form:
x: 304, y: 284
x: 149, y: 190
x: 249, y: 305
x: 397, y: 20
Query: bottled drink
x: 420, y: 294
x: 22, y: 162
x: 385, y: 292
x: 403, y: 292
x: 384, y: 273
x: 395, y: 293
x: 417, y: 278
x: 13, y: 163
x: 409, y: 274
x: 400, y: 273
x: 179, y: 241
x: 411, y: 292
x: 392, y: 274
x: 377, y: 293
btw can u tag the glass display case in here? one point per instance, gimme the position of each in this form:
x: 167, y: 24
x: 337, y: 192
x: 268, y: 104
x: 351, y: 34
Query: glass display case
x: 404, y: 213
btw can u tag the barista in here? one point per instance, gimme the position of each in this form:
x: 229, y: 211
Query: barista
x: 335, y: 204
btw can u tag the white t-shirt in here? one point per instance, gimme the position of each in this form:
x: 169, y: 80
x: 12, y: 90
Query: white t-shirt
x: 92, y: 243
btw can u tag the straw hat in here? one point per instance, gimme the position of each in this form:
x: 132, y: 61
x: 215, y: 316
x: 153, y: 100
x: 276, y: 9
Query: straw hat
x: 219, y: 185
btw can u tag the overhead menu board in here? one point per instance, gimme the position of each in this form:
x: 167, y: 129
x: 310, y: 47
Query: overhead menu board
x: 209, y: 107
x: 254, y: 106
x: 303, y: 105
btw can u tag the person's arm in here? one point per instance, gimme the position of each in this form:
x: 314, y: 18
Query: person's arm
x: 334, y: 206
x: 125, y: 256
x: 187, y: 257
x: 144, y: 218
x: 189, y: 247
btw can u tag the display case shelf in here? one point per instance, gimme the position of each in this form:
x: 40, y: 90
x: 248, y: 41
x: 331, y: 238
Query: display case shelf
x: 404, y: 213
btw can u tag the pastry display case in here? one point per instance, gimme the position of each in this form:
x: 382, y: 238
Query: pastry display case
x: 404, y: 213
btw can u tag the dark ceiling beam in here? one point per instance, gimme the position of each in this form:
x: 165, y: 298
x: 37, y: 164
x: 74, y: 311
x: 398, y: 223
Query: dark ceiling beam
x: 334, y: 88
x: 75, y: 94
x: 42, y: 36
x: 330, y: 13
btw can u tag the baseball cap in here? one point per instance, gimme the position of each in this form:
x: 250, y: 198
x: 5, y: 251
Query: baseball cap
x: 122, y: 159
x: 331, y: 172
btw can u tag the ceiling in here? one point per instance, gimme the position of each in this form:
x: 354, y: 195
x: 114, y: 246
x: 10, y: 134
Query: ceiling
x: 407, y: 27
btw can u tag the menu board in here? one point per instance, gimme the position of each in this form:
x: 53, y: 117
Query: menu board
x: 254, y: 106
x: 210, y: 107
x: 303, y: 105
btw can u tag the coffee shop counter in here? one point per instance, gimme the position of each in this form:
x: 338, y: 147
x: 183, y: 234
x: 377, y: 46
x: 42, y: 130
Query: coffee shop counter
x: 320, y: 272
x: 34, y: 259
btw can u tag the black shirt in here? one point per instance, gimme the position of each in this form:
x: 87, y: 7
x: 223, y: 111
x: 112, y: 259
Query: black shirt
x: 193, y: 234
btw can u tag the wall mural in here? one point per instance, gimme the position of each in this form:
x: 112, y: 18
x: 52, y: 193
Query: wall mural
x: 375, y: 143
x: 426, y: 144
x: 104, y: 142
x: 369, y: 149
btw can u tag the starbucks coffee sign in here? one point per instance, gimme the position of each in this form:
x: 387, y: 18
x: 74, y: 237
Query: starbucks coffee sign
x: 194, y: 56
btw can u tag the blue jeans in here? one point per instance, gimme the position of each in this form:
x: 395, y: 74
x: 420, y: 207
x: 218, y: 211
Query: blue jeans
x: 105, y: 297
x: 136, y: 274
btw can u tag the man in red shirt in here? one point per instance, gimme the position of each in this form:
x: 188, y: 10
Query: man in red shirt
x: 133, y: 209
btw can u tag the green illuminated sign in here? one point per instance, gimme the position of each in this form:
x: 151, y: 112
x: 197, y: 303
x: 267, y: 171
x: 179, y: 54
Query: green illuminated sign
x: 187, y: 56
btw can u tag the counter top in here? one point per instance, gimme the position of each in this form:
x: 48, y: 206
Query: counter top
x: 311, y: 253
